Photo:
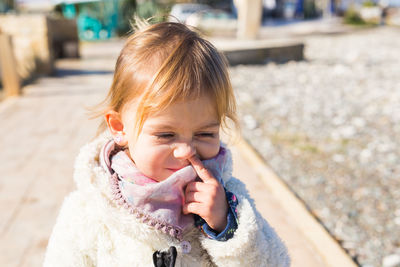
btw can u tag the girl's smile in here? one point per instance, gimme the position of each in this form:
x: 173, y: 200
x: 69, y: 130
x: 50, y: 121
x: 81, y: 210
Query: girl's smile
x: 172, y: 136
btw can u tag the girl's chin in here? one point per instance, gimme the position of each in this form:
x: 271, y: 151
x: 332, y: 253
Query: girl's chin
x: 163, y: 176
x: 167, y: 174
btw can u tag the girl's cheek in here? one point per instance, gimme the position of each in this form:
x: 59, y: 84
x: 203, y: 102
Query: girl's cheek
x: 158, y: 153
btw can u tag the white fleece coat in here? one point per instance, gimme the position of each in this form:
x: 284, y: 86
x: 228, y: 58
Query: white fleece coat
x: 93, y: 230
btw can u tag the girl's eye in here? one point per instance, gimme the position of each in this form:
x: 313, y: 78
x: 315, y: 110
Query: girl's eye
x: 206, y: 134
x: 164, y: 135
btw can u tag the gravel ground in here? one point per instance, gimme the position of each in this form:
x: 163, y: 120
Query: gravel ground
x: 330, y: 127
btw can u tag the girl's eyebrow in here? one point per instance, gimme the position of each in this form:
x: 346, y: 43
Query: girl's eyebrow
x: 169, y: 126
x: 210, y: 125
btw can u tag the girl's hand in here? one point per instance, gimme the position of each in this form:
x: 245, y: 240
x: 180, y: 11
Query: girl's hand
x: 206, y: 199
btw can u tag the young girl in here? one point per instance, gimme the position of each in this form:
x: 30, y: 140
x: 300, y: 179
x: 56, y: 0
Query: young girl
x: 156, y: 189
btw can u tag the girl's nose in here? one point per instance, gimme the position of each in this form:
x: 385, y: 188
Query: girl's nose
x: 184, y: 151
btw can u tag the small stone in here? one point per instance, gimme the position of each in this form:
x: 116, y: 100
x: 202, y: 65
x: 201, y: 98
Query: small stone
x: 358, y: 122
x: 397, y: 212
x: 383, y: 147
x: 338, y: 158
x: 392, y: 158
x: 365, y: 155
x: 391, y: 261
x: 348, y: 131
x: 349, y: 245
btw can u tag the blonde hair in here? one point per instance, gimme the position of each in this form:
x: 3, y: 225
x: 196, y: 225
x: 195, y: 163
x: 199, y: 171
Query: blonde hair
x: 164, y: 63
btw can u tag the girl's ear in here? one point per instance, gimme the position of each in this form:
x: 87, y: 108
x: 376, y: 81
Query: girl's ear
x: 116, y: 127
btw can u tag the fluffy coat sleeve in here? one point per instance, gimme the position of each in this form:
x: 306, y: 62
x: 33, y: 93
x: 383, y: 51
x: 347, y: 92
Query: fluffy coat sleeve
x: 68, y: 245
x: 254, y: 243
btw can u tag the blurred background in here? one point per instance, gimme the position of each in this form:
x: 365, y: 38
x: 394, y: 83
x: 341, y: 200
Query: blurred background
x: 317, y: 84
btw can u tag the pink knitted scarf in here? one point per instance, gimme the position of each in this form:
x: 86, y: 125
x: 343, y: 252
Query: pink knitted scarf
x: 158, y: 204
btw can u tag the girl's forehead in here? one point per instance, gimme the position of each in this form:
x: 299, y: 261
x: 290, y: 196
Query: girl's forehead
x: 199, y: 111
x: 204, y: 105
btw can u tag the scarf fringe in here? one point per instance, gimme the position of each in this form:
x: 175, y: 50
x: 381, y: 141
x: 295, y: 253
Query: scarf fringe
x: 144, y: 218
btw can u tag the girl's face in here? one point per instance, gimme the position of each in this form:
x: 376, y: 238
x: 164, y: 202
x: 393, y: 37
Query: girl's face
x: 170, y: 137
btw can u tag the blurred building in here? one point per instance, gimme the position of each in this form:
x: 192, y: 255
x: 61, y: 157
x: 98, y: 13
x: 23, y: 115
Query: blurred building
x: 96, y: 19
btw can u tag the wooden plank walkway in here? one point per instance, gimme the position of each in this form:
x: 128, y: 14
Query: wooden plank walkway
x: 41, y: 133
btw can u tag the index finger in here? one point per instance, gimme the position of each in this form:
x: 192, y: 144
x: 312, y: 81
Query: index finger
x: 202, y: 171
